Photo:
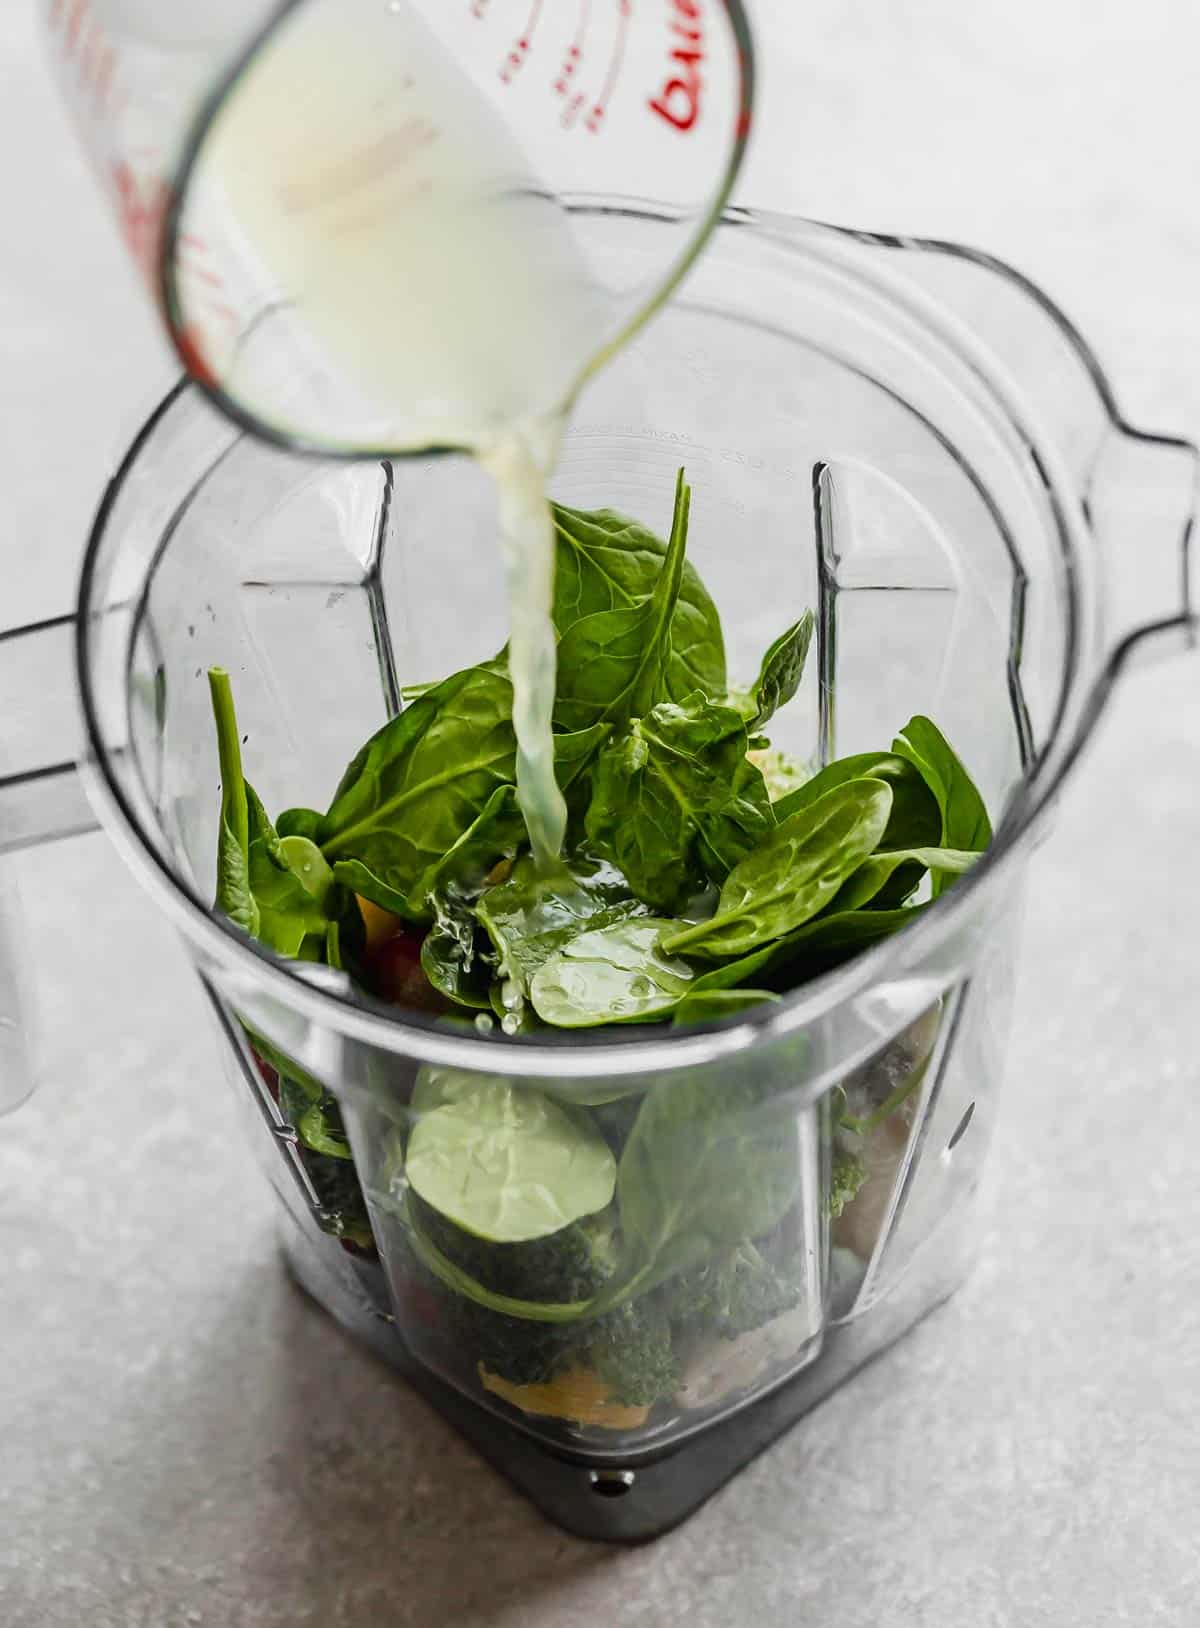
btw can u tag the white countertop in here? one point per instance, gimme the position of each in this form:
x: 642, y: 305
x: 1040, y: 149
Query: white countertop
x: 185, y: 1441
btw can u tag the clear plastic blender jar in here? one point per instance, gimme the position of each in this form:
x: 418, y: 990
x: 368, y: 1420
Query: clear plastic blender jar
x: 906, y: 437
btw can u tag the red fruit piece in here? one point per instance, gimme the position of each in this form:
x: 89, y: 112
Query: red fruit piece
x: 394, y: 974
x: 269, y: 1076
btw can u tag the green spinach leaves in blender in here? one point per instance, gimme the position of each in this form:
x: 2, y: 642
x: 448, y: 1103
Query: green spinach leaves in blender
x: 616, y: 1238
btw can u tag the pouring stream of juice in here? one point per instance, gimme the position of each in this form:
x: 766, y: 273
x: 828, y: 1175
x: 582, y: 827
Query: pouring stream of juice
x: 444, y: 297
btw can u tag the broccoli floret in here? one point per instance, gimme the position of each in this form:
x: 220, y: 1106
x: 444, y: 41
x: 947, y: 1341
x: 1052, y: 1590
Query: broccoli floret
x: 520, y: 1352
x: 630, y: 1348
x: 733, y: 1293
x: 567, y: 1266
x: 847, y: 1174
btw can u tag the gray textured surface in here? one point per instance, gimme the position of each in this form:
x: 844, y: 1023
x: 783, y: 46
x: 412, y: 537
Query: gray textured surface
x: 184, y: 1441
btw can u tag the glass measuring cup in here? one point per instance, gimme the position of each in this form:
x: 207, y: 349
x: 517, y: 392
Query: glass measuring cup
x: 351, y: 210
x: 920, y: 479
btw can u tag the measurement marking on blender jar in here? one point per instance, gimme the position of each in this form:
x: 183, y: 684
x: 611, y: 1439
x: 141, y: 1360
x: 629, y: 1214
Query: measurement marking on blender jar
x: 84, y: 44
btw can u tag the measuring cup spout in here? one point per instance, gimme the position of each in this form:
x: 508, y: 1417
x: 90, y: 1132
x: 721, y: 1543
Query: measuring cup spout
x: 41, y: 797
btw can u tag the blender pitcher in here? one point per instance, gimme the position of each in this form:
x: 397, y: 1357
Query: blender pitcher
x: 906, y: 437
x: 352, y: 213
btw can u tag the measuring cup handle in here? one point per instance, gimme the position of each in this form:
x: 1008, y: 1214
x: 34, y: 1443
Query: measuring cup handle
x: 41, y: 797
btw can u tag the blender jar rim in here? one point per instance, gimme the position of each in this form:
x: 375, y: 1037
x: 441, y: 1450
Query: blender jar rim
x: 603, y: 1053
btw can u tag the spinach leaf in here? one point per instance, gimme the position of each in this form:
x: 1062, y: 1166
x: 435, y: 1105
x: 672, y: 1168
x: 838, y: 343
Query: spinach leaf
x: 870, y: 880
x: 796, y: 872
x: 830, y: 934
x: 277, y: 891
x: 675, y: 803
x: 235, y: 898
x: 574, y: 756
x: 494, y: 835
x: 504, y: 1162
x: 710, y: 1005
x: 299, y: 822
x: 915, y: 821
x: 781, y: 671
x: 431, y: 796
x: 320, y: 1128
x: 234, y: 895
x: 709, y: 1164
x: 605, y: 561
x: 612, y: 664
x: 731, y: 974
x: 360, y: 879
x: 291, y: 884
x: 848, y: 930
x: 531, y: 916
x: 450, y: 954
x: 419, y: 786
x: 306, y: 862
x: 612, y: 974
x: 964, y: 819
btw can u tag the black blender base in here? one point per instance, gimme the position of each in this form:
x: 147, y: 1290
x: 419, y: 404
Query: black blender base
x: 645, y: 1499
x: 610, y: 1501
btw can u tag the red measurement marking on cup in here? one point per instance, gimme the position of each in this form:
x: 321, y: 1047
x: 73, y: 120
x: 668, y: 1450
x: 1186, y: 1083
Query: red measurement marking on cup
x: 105, y: 73
x: 141, y: 191
x: 574, y: 54
x: 679, y: 100
x: 84, y: 46
x: 518, y: 54
x: 76, y: 18
x: 190, y: 344
x: 141, y: 209
x: 599, y: 107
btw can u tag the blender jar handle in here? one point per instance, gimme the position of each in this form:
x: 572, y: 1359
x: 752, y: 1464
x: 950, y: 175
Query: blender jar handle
x: 1140, y: 492
x: 41, y: 796
x: 1142, y: 498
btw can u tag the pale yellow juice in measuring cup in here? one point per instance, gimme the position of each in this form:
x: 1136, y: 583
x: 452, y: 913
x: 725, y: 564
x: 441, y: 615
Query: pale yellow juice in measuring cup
x: 431, y: 280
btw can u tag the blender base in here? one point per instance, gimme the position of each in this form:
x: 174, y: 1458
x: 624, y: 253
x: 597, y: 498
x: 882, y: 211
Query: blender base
x: 639, y: 1499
